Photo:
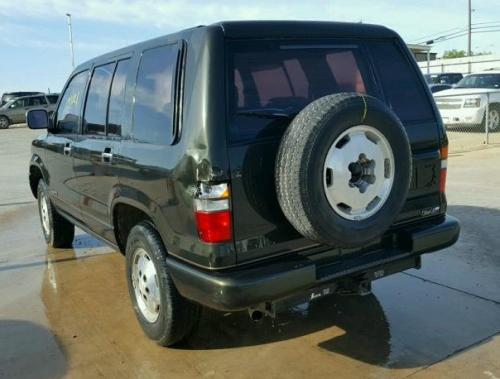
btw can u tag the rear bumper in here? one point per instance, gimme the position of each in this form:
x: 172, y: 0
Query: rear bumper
x: 272, y: 280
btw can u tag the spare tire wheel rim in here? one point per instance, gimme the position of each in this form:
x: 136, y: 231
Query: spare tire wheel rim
x: 145, y: 283
x: 358, y: 172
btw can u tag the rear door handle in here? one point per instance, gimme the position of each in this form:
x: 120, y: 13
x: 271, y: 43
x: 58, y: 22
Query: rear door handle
x: 107, y: 156
x: 67, y: 149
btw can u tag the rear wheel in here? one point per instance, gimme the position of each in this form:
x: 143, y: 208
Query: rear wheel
x: 164, y: 315
x: 58, y: 231
x: 4, y: 122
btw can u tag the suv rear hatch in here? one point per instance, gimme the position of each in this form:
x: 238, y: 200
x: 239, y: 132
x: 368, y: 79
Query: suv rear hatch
x: 270, y: 81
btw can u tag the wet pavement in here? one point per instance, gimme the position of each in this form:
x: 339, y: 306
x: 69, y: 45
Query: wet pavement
x: 66, y: 313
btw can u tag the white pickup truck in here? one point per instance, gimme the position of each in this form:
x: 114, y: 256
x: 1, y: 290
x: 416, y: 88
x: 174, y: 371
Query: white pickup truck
x: 465, y: 104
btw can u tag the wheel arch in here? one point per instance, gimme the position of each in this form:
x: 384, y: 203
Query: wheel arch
x: 135, y: 212
x: 37, y: 171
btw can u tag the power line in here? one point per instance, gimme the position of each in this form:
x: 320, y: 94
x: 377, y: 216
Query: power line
x: 452, y: 31
x: 458, y: 33
x: 464, y: 33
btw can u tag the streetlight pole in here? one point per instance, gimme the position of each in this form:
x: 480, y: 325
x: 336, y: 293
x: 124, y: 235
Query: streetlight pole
x: 70, y: 29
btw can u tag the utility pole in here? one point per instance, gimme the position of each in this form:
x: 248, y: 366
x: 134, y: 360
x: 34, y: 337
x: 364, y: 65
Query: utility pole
x: 70, y: 29
x: 469, y: 29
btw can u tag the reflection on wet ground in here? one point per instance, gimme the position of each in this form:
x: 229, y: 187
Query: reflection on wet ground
x: 67, y: 313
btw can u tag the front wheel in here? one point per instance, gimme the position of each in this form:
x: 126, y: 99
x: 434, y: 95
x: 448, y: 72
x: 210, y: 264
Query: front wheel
x: 493, y: 118
x: 165, y: 316
x: 58, y: 231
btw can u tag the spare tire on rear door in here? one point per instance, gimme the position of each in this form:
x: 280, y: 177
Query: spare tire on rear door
x: 343, y: 170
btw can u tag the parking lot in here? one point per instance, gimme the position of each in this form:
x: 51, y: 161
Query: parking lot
x: 66, y: 313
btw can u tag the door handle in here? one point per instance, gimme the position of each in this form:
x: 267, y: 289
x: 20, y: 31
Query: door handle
x: 67, y: 149
x: 106, y: 156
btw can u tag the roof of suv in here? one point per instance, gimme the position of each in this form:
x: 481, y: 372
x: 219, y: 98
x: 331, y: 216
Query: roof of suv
x: 259, y: 29
x: 274, y: 29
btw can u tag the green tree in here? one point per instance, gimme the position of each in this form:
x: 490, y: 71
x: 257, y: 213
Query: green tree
x: 449, y: 54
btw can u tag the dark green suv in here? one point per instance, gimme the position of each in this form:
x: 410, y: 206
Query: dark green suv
x: 247, y: 165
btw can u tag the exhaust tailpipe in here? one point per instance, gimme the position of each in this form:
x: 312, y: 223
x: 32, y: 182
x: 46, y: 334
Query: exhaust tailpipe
x: 255, y: 315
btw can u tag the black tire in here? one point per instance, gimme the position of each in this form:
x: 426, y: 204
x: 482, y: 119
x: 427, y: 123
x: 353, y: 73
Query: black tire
x: 303, y: 149
x: 4, y: 122
x: 61, y: 232
x: 178, y: 317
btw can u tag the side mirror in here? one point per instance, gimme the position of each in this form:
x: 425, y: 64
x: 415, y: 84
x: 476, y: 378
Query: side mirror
x: 37, y: 119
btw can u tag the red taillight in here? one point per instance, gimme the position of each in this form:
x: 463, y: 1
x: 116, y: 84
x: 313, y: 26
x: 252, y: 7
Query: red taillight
x: 444, y: 168
x: 214, y: 227
x: 442, y: 180
x: 213, y: 214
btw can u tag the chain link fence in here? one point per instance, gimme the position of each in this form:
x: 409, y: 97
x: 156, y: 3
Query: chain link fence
x: 471, y: 119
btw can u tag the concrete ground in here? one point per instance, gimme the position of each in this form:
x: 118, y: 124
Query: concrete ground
x: 66, y: 313
x: 471, y: 139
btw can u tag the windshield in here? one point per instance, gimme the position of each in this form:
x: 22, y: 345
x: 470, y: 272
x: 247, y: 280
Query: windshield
x: 480, y: 81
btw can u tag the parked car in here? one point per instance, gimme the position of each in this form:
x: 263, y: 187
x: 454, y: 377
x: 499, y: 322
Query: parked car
x: 247, y: 165
x: 439, y: 87
x: 7, y: 96
x: 465, y: 104
x: 14, y: 111
x: 444, y: 78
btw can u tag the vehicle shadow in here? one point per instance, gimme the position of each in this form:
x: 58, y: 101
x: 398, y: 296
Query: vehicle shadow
x: 28, y: 350
x: 360, y: 321
x: 411, y: 322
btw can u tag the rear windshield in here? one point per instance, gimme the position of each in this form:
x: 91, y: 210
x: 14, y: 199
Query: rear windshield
x: 272, y: 81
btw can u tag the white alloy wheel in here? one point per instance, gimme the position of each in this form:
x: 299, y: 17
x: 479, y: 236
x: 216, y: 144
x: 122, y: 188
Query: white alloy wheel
x: 358, y: 172
x: 145, y: 283
x: 44, y: 214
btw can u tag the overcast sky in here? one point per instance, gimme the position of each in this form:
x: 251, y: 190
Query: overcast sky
x: 34, y: 37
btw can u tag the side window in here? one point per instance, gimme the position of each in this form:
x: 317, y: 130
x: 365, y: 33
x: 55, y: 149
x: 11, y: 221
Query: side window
x: 68, y: 113
x: 37, y: 100
x: 17, y: 104
x: 400, y: 82
x: 116, y: 112
x: 94, y: 119
x: 154, y: 95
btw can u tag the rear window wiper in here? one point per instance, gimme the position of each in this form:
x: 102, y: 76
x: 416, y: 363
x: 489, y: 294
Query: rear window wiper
x: 266, y: 113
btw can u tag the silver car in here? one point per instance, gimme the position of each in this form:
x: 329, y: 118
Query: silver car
x: 14, y: 111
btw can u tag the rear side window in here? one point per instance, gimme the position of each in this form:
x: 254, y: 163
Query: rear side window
x: 97, y: 100
x: 68, y: 113
x: 36, y: 100
x: 154, y: 95
x: 116, y: 112
x: 402, y: 86
x: 272, y: 81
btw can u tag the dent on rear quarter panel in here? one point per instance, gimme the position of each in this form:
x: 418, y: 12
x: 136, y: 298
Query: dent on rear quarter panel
x: 201, y: 153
